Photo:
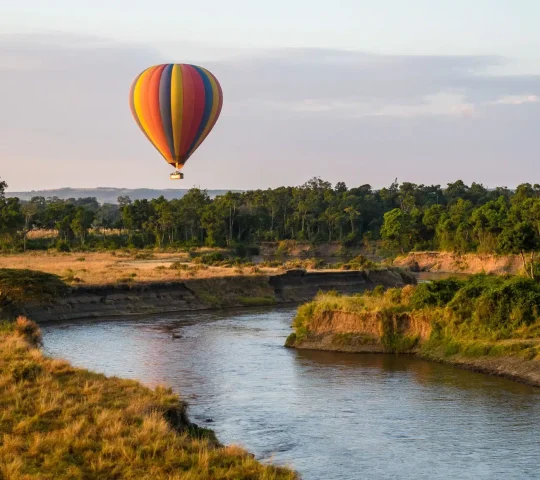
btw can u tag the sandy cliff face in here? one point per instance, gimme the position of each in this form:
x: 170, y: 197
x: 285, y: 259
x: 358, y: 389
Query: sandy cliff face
x: 365, y: 332
x: 457, y: 263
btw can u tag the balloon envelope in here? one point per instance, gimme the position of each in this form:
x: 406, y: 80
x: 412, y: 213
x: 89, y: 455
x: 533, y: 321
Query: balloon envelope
x: 176, y: 106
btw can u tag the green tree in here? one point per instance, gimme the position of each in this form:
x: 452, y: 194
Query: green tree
x: 81, y: 222
x: 396, y: 231
x: 11, y: 217
x: 520, y: 239
x: 29, y: 211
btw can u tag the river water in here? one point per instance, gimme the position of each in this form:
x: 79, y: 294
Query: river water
x: 327, y: 415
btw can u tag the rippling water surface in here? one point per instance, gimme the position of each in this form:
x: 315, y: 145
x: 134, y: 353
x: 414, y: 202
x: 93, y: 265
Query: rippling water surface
x: 328, y: 415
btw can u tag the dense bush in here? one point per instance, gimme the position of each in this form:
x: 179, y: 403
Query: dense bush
x: 435, y: 293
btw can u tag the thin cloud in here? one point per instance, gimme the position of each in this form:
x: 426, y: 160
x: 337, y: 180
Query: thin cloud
x: 287, y: 115
x: 441, y: 104
x: 517, y: 100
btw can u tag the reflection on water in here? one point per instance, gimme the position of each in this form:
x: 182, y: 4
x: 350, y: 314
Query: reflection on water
x: 329, y: 415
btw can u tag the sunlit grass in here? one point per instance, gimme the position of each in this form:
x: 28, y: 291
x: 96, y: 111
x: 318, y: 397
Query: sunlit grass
x: 100, y: 268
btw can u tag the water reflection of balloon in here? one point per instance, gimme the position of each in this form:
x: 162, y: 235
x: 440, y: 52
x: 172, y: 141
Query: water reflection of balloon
x: 176, y: 106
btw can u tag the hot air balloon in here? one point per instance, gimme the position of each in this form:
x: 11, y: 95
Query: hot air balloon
x: 176, y: 106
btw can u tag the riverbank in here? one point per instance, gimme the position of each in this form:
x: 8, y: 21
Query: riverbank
x: 469, y: 263
x: 69, y: 423
x: 45, y: 297
x: 486, y: 324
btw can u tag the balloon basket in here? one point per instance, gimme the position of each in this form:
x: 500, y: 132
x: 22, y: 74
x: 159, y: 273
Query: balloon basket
x: 177, y: 176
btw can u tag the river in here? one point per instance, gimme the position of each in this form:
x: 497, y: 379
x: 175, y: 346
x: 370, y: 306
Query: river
x: 327, y: 415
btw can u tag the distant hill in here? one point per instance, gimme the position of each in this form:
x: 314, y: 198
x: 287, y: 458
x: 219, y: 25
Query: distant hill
x: 109, y: 195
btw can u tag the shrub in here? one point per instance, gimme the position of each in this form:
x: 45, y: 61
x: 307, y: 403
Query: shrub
x: 361, y: 263
x: 435, y: 293
x: 241, y: 251
x: 378, y: 291
x: 179, y: 266
x: 315, y: 263
x: 394, y: 295
x: 285, y: 246
x: 69, y: 277
x: 62, y: 246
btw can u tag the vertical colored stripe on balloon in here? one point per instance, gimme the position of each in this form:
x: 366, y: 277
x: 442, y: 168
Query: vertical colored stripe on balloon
x: 220, y: 100
x: 165, y: 108
x: 198, y: 107
x: 208, y: 101
x: 134, y: 111
x: 214, y: 112
x: 142, y: 106
x: 187, y: 111
x: 155, y: 114
x: 177, y: 104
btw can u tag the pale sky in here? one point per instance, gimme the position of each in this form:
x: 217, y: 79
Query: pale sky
x: 352, y: 90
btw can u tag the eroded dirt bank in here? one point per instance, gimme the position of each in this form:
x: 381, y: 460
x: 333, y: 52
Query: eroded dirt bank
x: 371, y: 332
x: 447, y: 262
x: 200, y: 294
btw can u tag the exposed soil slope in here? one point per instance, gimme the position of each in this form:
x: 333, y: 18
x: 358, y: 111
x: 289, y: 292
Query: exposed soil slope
x: 447, y: 262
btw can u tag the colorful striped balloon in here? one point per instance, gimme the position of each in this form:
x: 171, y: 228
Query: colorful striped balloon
x: 176, y: 106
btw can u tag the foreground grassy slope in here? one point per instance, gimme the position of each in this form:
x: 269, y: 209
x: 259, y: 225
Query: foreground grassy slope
x: 60, y: 422
x: 482, y: 318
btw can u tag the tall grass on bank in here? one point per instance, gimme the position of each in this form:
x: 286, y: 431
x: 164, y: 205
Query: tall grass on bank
x: 60, y: 422
x: 482, y: 315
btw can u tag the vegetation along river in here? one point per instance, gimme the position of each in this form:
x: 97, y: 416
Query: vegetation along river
x: 328, y: 415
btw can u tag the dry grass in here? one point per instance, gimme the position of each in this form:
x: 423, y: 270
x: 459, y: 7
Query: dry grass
x: 60, y: 422
x: 112, y: 268
x: 39, y: 234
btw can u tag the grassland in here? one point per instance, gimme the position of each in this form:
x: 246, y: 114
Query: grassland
x: 60, y: 422
x: 109, y: 268
x: 483, y: 321
x: 121, y: 267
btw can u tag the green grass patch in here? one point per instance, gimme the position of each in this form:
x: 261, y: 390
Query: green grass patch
x: 210, y: 299
x: 254, y: 301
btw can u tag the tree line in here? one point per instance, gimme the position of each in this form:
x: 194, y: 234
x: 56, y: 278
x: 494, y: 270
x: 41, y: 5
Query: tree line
x: 400, y: 218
